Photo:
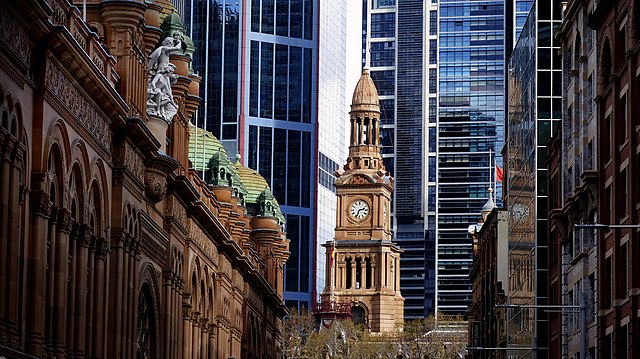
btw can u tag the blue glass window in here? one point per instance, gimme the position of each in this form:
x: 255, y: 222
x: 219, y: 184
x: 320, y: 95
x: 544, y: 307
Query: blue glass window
x: 383, y: 25
x: 433, y: 22
x: 266, y: 152
x: 306, y: 81
x: 254, y: 75
x: 385, y: 81
x: 383, y: 53
x: 282, y: 17
x: 293, y: 168
x: 295, y: 83
x: 279, y: 184
x: 281, y: 91
x: 253, y: 147
x: 266, y: 80
x: 293, y: 267
x: 308, y: 19
x: 295, y: 18
x: 306, y: 170
x: 255, y: 15
x: 268, y: 14
x: 432, y: 168
x: 433, y: 51
x: 387, y: 111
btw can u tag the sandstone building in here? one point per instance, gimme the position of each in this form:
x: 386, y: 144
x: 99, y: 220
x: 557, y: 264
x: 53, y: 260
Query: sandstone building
x: 111, y: 246
x: 366, y: 273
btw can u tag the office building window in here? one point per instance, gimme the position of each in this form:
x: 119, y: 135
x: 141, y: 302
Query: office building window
x: 433, y: 52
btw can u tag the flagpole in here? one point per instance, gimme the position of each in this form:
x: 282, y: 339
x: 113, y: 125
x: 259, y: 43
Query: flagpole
x: 333, y: 271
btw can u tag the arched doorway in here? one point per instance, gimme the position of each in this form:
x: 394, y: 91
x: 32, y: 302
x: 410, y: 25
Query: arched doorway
x: 146, y: 340
x: 358, y: 315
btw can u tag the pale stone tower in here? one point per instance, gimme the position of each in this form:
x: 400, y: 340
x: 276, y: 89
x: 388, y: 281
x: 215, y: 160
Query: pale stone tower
x: 363, y: 264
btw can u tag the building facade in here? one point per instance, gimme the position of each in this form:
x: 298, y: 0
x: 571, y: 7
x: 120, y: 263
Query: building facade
x: 439, y: 71
x: 259, y: 63
x: 394, y: 44
x: 366, y: 272
x: 573, y: 180
x: 113, y: 246
x: 490, y: 278
x: 617, y: 24
x: 470, y: 122
x: 534, y: 111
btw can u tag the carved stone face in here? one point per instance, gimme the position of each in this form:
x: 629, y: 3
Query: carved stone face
x: 359, y: 209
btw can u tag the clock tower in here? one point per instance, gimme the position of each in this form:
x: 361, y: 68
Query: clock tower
x: 363, y: 263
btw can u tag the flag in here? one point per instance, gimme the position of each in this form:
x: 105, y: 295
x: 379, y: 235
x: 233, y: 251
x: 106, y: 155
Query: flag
x: 332, y: 254
x: 499, y: 173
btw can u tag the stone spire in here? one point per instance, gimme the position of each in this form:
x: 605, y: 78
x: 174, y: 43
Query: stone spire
x: 364, y: 147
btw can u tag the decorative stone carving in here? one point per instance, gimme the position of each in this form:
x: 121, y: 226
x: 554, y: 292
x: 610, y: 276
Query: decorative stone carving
x: 77, y: 104
x: 14, y: 34
x: 155, y: 177
x: 41, y: 203
x: 357, y: 179
x: 160, y: 100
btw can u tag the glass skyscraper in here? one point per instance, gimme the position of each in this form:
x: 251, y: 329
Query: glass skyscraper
x: 470, y: 135
x: 440, y: 68
x: 534, y: 114
x: 259, y: 63
x: 333, y: 117
x: 393, y: 47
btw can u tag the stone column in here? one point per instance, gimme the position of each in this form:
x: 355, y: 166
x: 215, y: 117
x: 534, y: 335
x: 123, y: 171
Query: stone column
x: 204, y: 341
x: 167, y: 311
x: 61, y: 270
x: 124, y: 298
x: 102, y: 249
x: 88, y: 345
x: 17, y: 219
x: 82, y: 247
x: 72, y: 285
x: 195, y: 335
x: 186, y: 338
x: 397, y: 285
x: 116, y: 273
x: 4, y: 227
x: 36, y: 280
x: 363, y: 273
x: 50, y: 274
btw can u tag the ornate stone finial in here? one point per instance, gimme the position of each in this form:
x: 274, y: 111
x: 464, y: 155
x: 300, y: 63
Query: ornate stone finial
x: 238, y: 157
x: 160, y: 100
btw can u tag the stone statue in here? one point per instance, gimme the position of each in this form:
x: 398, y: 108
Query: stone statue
x: 160, y: 100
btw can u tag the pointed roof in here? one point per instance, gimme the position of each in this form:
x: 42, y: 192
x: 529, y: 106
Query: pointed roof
x: 365, y: 92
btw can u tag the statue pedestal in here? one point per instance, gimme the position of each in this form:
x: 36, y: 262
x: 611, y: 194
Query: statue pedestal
x: 158, y: 127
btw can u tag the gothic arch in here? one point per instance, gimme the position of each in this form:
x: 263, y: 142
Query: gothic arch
x: 148, y: 321
x: 359, y: 313
x: 99, y: 176
x: 79, y: 154
x: 607, y: 61
x: 55, y: 183
x: 577, y: 51
x: 76, y: 195
x: 59, y: 135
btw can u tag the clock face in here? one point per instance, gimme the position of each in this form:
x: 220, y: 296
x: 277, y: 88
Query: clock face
x: 359, y: 209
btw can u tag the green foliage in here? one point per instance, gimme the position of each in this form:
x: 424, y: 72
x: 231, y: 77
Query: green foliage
x: 445, y: 338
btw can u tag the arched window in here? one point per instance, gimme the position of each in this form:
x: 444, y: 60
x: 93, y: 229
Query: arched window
x: 578, y: 52
x: 146, y: 341
x: 606, y: 61
x: 358, y: 315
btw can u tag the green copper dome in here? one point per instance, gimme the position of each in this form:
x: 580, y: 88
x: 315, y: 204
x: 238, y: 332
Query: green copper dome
x: 203, y: 146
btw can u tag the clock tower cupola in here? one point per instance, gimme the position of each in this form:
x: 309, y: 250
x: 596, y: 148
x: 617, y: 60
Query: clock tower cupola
x: 363, y: 264
x: 363, y: 185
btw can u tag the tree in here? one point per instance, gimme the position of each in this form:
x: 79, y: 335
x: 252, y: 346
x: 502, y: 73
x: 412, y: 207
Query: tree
x: 297, y: 328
